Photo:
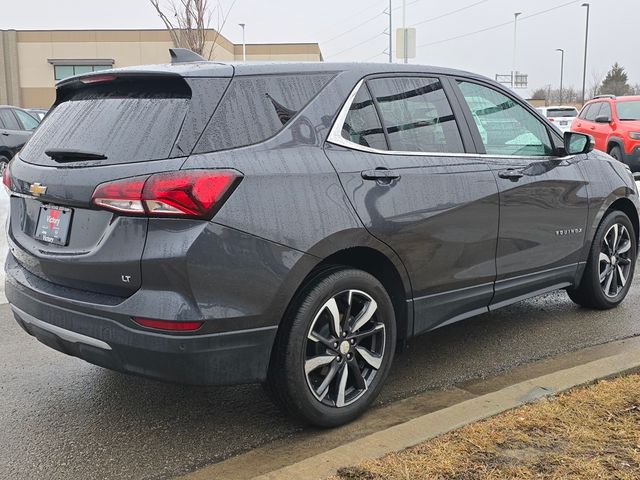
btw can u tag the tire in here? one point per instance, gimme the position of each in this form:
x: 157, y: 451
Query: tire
x: 309, y: 361
x: 613, y: 250
x: 616, y: 153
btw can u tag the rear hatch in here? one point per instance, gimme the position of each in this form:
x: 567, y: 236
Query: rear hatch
x: 102, y: 128
x: 562, y: 116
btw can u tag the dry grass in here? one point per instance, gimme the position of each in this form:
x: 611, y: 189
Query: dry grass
x: 589, y: 433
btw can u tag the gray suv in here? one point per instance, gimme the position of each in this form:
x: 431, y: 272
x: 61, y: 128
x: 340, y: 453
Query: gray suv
x: 294, y: 224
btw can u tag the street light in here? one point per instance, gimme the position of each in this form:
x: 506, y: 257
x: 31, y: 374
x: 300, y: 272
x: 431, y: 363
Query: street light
x: 244, y: 45
x: 515, y: 48
x: 561, y: 71
x: 586, y: 45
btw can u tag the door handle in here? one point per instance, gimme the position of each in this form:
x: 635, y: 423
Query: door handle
x: 381, y: 175
x: 5, y: 134
x: 511, y: 174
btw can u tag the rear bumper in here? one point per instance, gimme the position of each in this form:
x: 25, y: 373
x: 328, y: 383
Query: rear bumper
x: 229, y: 357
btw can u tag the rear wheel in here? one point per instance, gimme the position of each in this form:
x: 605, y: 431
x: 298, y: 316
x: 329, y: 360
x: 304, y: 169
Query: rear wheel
x: 616, y: 153
x: 610, y: 266
x: 335, y: 349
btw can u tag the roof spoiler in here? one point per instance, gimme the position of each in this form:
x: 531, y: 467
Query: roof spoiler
x: 183, y: 55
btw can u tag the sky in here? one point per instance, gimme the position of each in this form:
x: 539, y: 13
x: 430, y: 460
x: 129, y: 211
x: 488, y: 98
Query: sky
x: 451, y: 33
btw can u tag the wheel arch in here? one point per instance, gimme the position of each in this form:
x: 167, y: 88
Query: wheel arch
x: 629, y: 209
x: 615, y: 142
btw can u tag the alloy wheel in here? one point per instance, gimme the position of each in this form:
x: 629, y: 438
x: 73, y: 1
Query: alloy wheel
x: 615, y: 260
x: 345, y: 348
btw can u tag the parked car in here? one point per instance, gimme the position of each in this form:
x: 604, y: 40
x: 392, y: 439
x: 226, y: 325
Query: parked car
x: 16, y: 127
x: 560, y: 116
x: 38, y: 113
x: 293, y: 224
x: 614, y: 123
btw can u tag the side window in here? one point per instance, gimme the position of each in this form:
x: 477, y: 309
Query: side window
x: 506, y: 127
x: 417, y: 115
x: 583, y: 113
x: 593, y: 112
x: 28, y: 122
x: 255, y: 108
x: 605, y: 110
x: 9, y: 120
x: 362, y: 125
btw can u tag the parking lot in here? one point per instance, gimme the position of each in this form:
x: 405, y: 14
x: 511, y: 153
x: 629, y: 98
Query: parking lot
x: 63, y: 418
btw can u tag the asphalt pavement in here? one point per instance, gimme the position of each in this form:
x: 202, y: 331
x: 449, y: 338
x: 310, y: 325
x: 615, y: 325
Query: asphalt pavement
x: 63, y: 418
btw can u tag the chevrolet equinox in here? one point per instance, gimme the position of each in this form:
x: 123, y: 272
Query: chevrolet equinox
x: 292, y: 224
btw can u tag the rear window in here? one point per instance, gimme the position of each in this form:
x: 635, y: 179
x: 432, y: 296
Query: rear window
x: 562, y: 112
x: 255, y: 108
x: 125, y: 120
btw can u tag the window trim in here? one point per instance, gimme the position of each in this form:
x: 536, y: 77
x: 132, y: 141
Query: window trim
x: 335, y: 134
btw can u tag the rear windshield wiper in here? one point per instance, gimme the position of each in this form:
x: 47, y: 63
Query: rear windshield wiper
x: 71, y: 155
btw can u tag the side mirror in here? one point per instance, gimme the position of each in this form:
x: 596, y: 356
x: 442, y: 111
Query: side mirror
x: 603, y: 119
x: 576, y: 143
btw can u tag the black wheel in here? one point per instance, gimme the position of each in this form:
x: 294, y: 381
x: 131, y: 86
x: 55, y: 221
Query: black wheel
x: 616, y: 153
x: 334, y: 349
x: 609, y: 271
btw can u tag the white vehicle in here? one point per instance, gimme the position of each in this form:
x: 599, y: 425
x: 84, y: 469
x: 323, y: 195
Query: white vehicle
x: 561, y: 116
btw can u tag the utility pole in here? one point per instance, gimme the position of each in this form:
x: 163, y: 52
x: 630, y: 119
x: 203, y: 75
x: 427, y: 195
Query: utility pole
x: 244, y: 45
x: 561, y: 71
x: 586, y: 46
x: 515, y: 48
x: 404, y: 28
x: 390, y: 31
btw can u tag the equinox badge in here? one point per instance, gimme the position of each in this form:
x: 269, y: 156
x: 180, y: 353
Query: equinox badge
x: 36, y: 189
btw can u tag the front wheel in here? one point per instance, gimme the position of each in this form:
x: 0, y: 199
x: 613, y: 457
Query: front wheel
x: 334, y: 350
x: 616, y: 153
x: 609, y: 271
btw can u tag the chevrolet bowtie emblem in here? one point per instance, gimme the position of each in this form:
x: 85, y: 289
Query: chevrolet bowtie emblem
x: 36, y: 189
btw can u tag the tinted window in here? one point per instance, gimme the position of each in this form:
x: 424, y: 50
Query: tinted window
x: 126, y: 121
x: 628, y: 110
x: 362, y: 125
x: 28, y: 122
x: 505, y: 126
x: 8, y: 119
x: 255, y: 108
x: 562, y: 112
x: 417, y: 115
x: 593, y: 112
x: 584, y: 111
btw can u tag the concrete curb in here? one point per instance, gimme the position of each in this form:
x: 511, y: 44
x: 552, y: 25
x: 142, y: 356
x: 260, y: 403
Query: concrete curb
x: 437, y: 423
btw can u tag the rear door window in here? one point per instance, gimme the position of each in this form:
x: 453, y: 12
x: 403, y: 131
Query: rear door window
x: 126, y: 121
x: 505, y: 126
x: 8, y: 119
x: 255, y: 108
x: 416, y: 115
x: 362, y: 124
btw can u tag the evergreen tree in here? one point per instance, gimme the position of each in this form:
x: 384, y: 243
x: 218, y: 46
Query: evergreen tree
x: 616, y: 82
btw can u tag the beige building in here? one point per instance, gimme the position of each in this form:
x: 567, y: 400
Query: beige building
x: 31, y: 61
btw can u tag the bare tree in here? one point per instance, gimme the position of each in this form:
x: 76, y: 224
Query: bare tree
x: 189, y: 22
x: 596, y: 82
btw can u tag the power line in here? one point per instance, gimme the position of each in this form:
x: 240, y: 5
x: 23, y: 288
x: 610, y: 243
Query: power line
x: 450, y: 13
x: 353, y: 28
x: 500, y: 25
x: 356, y: 45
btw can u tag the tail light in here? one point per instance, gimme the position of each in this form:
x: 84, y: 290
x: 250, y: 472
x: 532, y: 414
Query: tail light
x: 168, y: 325
x: 187, y: 193
x: 6, y: 179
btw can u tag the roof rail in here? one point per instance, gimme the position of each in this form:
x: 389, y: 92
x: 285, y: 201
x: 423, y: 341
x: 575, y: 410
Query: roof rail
x: 604, y: 96
x: 183, y: 55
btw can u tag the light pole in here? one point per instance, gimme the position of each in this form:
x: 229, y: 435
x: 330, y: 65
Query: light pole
x: 404, y: 27
x: 586, y: 45
x: 244, y: 45
x: 515, y: 48
x: 390, y: 32
x: 561, y: 71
